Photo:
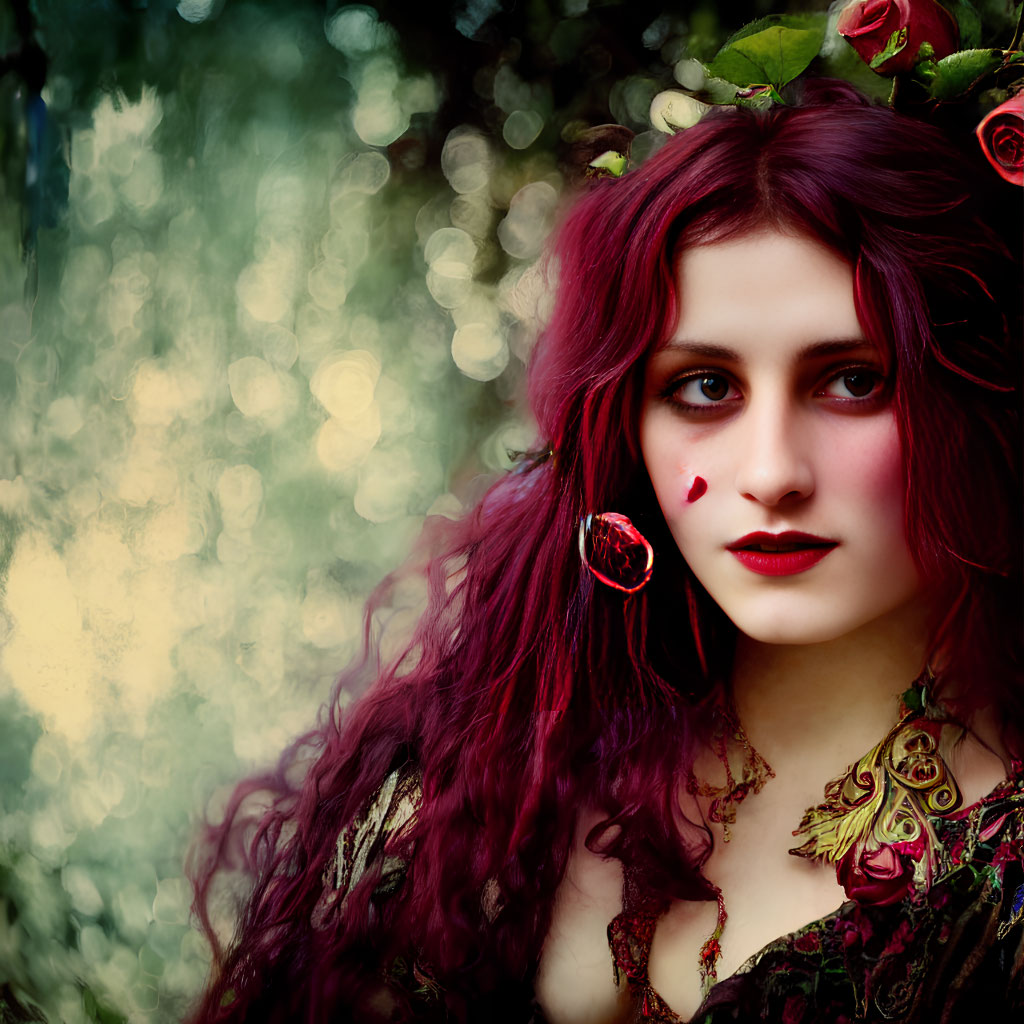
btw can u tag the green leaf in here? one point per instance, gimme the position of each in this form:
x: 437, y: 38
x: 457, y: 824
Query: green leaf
x: 956, y: 74
x: 969, y: 22
x: 896, y: 42
x: 771, y: 56
x: 809, y: 22
x: 610, y: 162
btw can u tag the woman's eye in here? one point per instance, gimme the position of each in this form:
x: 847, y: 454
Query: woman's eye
x: 859, y: 382
x: 704, y: 389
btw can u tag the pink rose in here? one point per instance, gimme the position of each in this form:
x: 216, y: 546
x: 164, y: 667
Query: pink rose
x: 878, y: 876
x: 1001, y: 135
x: 868, y: 25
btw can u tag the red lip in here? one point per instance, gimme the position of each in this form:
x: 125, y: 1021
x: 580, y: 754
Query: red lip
x: 803, y: 551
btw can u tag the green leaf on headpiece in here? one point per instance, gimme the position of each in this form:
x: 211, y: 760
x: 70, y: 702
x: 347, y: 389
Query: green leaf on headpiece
x: 956, y: 74
x: 611, y: 163
x: 896, y: 42
x: 771, y: 51
x: 809, y: 22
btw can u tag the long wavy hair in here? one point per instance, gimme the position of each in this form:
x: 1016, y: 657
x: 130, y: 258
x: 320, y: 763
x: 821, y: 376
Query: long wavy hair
x: 529, y: 691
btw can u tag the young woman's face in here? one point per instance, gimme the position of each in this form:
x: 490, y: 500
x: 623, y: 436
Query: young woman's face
x: 769, y: 436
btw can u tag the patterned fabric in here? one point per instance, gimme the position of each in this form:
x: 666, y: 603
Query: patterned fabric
x: 376, y: 833
x: 951, y: 953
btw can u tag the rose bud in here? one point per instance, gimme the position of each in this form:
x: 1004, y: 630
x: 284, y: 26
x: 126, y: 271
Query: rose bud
x: 868, y: 25
x: 1001, y: 134
x: 878, y: 876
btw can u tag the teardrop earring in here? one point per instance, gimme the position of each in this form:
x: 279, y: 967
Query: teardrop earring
x: 615, y: 551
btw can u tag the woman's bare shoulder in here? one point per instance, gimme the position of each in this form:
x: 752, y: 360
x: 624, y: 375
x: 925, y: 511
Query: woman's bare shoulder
x: 576, y: 978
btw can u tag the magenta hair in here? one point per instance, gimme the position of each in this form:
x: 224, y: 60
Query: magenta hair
x: 528, y: 691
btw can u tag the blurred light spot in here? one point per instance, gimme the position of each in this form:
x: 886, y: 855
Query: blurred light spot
x: 265, y: 287
x: 342, y: 445
x: 14, y: 496
x: 450, y: 245
x: 472, y: 213
x: 349, y: 245
x: 49, y: 657
x: 526, y: 225
x: 366, y: 173
x: 465, y: 159
x: 240, y: 493
x: 344, y: 383
x: 418, y: 95
x: 144, y: 185
x: 93, y: 201
x: 83, y: 281
x: 196, y: 11
x: 329, y: 618
x: 47, y: 760
x: 85, y: 897
x: 447, y: 505
x: 170, y: 533
x: 449, y: 283
x: 93, y: 944
x: 125, y: 121
x: 630, y: 99
x: 280, y: 346
x: 159, y: 395
x: 385, y: 484
x: 521, y: 128
x: 511, y: 92
x: 378, y: 117
x: 171, y: 904
x: 261, y: 392
x: 50, y: 836
x: 355, y: 30
x: 479, y: 351
x: 146, y: 473
x: 281, y: 57
x: 328, y: 283
x: 657, y: 32
x: 473, y: 14
x: 132, y: 910
x: 690, y: 74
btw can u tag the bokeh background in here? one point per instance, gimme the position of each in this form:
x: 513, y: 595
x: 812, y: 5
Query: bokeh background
x: 268, y: 281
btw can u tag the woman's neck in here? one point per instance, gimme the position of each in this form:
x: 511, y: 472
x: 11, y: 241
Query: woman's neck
x: 833, y: 699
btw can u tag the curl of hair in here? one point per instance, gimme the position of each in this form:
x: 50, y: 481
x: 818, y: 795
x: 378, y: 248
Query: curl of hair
x: 527, y: 692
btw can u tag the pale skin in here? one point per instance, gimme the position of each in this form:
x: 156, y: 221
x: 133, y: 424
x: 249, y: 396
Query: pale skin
x: 770, y: 392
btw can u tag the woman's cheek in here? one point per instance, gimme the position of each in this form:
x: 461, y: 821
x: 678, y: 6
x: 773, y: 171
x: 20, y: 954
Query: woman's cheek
x: 871, y: 467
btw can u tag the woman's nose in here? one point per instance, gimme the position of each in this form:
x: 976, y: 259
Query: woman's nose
x: 775, y: 466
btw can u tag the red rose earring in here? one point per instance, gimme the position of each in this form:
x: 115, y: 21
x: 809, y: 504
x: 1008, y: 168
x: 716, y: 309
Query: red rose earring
x: 615, y: 551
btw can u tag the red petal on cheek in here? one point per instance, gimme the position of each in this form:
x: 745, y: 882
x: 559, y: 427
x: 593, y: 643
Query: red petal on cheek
x: 700, y: 485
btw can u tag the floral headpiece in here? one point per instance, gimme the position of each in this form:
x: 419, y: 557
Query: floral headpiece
x: 916, y: 53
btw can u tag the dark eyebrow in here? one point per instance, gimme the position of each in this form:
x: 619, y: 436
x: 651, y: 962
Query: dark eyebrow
x: 816, y: 350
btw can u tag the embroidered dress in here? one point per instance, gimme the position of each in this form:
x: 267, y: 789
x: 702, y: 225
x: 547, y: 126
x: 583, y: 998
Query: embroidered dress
x: 934, y: 932
x: 953, y: 953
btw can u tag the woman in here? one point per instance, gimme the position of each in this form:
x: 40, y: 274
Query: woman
x: 779, y: 350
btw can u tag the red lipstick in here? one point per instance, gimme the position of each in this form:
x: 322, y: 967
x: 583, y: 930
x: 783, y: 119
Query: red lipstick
x: 780, y: 554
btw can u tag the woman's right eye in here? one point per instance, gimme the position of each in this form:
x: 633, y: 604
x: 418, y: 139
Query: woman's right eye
x: 703, y: 391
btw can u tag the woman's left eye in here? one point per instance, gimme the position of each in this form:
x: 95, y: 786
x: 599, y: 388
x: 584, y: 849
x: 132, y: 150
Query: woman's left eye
x: 858, y: 382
